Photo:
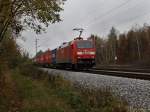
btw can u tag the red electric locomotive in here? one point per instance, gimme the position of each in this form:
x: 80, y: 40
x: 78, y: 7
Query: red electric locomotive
x: 78, y: 53
x: 85, y: 52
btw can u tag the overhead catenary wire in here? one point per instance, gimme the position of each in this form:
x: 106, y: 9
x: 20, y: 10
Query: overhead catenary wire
x: 133, y: 18
x: 108, y: 12
x: 136, y: 17
x: 93, y: 11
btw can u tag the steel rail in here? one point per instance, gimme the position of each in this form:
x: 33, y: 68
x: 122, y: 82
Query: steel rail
x: 140, y: 70
x: 122, y: 73
x: 126, y: 73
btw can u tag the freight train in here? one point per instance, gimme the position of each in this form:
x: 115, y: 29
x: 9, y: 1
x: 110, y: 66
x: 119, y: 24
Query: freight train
x: 76, y: 54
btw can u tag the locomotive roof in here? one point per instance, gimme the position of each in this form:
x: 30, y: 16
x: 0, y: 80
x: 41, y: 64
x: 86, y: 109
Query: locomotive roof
x: 71, y: 42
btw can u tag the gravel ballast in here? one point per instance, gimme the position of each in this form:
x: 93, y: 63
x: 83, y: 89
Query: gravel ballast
x: 136, y: 92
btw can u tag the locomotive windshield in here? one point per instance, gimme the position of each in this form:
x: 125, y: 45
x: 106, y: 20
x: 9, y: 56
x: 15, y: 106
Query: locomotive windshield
x: 84, y: 44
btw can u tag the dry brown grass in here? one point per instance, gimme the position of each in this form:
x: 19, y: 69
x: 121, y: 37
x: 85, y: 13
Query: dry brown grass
x: 9, y: 96
x: 49, y: 93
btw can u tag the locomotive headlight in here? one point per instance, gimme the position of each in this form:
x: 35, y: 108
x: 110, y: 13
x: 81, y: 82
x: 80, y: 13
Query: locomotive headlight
x: 79, y: 53
x: 92, y: 53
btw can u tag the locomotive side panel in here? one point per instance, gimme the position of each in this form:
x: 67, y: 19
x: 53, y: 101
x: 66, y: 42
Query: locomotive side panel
x: 73, y: 53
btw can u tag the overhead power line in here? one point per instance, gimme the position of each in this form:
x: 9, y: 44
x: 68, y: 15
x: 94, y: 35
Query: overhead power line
x: 109, y: 12
x: 92, y: 11
x: 136, y: 17
x: 100, y: 17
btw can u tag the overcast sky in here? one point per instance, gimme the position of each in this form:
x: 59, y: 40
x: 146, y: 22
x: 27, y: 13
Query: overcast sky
x: 95, y: 16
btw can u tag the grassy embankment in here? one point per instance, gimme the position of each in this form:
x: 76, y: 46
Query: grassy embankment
x: 30, y: 90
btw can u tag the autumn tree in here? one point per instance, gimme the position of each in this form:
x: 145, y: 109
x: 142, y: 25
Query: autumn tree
x: 39, y: 53
x: 147, y: 35
x: 122, y: 49
x: 101, y: 50
x: 10, y: 52
x: 133, y: 47
x: 112, y: 45
x: 19, y: 14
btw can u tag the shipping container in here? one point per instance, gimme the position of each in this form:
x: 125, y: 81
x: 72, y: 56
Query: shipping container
x: 63, y: 54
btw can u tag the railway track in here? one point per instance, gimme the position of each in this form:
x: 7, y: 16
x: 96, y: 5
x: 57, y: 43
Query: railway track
x: 128, y: 73
x: 131, y: 69
x: 123, y: 72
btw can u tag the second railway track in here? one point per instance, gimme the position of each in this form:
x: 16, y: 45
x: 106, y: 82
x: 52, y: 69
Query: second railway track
x: 128, y: 73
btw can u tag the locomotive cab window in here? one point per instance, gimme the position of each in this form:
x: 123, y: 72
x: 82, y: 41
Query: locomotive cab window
x: 84, y: 44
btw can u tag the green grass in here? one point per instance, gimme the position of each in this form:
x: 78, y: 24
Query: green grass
x: 54, y: 94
